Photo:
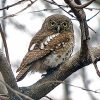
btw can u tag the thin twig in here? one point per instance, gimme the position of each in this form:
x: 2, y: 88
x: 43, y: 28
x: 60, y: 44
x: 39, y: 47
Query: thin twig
x: 12, y: 15
x: 48, y: 98
x: 84, y: 88
x: 44, y: 10
x: 63, y: 9
x: 60, y: 6
x: 92, y: 8
x: 93, y: 16
x: 92, y: 29
x: 19, y: 2
x: 94, y: 91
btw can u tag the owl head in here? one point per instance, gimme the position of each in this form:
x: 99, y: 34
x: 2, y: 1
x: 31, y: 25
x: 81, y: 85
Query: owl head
x: 58, y: 24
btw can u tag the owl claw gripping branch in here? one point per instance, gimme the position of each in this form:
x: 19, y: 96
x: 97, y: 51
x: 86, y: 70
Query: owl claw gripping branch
x: 51, y: 46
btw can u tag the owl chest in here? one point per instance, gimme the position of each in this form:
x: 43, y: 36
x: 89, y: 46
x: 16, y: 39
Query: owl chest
x: 60, y: 50
x: 57, y: 56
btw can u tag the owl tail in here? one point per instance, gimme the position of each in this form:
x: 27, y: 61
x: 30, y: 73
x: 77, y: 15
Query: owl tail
x: 22, y: 73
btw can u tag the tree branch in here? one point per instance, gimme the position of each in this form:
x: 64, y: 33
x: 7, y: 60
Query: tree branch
x: 4, y: 42
x: 7, y: 73
x: 46, y: 84
x: 81, y: 6
x: 85, y: 45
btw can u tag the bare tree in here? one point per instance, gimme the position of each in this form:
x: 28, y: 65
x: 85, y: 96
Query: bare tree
x: 85, y: 56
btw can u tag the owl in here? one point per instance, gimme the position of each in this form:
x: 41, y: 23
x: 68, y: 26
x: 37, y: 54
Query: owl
x: 51, y: 46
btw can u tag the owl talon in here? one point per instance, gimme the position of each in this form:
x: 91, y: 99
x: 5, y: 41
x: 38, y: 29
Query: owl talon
x: 44, y: 75
x: 49, y: 71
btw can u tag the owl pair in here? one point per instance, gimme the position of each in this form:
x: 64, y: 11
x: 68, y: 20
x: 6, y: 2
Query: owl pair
x: 50, y: 47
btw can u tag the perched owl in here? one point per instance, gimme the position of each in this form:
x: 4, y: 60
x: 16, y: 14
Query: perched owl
x: 50, y: 47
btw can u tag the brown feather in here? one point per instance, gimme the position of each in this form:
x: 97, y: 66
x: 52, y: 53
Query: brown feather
x: 28, y: 59
x: 22, y: 73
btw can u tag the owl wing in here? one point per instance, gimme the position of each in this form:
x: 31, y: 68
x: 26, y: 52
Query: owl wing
x: 32, y: 55
x: 29, y: 58
x: 36, y: 40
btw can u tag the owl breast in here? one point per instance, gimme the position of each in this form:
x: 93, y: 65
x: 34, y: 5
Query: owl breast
x: 60, y: 52
x: 58, y: 56
x: 61, y: 47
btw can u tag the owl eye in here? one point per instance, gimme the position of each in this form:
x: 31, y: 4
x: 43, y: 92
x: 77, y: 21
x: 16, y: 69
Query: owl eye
x: 52, y: 23
x: 64, y: 24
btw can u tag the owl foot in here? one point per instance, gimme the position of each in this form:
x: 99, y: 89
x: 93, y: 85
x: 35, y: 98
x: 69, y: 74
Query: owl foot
x: 49, y: 71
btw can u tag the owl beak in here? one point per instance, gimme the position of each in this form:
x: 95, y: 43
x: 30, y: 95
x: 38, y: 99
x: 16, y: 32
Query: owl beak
x: 58, y: 28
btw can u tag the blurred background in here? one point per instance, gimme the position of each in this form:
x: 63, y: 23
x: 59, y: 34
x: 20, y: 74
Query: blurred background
x: 21, y: 23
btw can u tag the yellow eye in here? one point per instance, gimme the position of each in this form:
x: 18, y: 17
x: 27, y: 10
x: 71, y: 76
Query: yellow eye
x: 64, y: 24
x: 52, y: 23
